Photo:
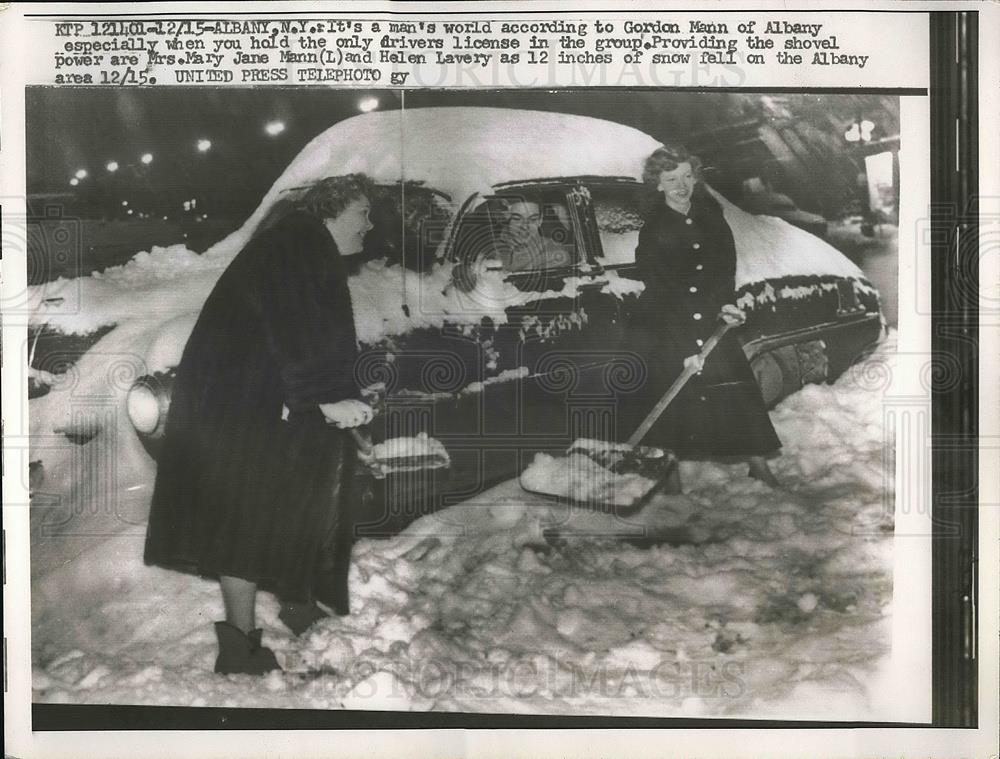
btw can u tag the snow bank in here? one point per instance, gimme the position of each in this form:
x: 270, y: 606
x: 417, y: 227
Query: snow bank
x: 157, y: 285
x: 777, y: 604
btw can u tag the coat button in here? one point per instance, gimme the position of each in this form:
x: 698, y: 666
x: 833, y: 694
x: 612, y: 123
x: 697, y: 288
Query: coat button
x: 699, y: 267
x: 699, y: 342
x: 688, y: 221
x: 696, y: 317
x: 692, y: 289
x: 696, y: 245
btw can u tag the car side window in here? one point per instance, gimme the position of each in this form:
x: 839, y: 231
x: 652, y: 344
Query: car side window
x: 618, y: 210
x: 519, y: 232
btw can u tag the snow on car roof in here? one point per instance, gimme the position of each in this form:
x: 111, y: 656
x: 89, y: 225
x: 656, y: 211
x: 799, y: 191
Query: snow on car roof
x: 465, y: 150
x: 459, y: 151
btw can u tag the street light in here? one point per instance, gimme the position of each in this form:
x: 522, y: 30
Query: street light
x: 81, y: 173
x: 274, y: 128
x: 204, y: 146
x: 860, y: 131
x: 367, y: 105
x: 146, y: 158
x: 74, y: 181
x: 112, y: 166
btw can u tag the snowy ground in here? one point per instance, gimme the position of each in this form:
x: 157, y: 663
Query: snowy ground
x: 780, y: 607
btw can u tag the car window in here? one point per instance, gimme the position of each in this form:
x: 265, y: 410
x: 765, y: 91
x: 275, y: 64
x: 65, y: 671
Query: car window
x: 618, y: 211
x: 519, y: 232
x: 408, y: 225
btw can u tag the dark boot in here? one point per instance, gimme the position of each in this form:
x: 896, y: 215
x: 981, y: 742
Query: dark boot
x: 241, y: 653
x: 299, y: 617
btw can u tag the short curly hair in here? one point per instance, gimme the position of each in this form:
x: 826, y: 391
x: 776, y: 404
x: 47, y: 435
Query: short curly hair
x: 328, y: 198
x: 667, y: 158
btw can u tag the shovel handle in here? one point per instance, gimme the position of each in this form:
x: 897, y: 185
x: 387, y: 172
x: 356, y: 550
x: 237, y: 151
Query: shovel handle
x: 676, y: 387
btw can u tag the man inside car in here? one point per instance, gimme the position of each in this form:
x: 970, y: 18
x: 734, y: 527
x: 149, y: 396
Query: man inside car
x: 520, y: 245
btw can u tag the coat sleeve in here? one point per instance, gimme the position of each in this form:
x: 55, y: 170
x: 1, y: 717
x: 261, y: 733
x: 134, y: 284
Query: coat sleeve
x: 724, y: 284
x: 307, y: 316
x: 645, y: 250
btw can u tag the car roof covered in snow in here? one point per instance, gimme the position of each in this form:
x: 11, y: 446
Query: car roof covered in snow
x: 464, y: 150
x: 460, y: 151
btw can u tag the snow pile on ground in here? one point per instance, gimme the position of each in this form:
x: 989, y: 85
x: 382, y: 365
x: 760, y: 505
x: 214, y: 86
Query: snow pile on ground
x: 158, y: 284
x: 751, y: 601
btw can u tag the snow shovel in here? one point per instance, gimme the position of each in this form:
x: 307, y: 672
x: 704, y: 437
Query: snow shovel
x: 596, y: 473
x: 400, y: 454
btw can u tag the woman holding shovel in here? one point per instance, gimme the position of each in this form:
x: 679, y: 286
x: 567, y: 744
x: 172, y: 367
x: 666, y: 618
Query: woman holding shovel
x: 687, y: 259
x: 246, y: 493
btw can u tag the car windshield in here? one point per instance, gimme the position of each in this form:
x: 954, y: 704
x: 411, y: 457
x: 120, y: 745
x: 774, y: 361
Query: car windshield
x: 519, y: 232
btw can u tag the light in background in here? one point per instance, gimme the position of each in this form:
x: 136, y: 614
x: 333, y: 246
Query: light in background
x: 881, y: 193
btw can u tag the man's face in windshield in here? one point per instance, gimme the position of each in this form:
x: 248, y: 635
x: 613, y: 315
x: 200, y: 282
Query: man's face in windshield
x: 524, y: 221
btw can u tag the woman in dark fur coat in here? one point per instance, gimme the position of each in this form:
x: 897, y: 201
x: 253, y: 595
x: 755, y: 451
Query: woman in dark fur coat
x: 254, y: 481
x: 686, y: 257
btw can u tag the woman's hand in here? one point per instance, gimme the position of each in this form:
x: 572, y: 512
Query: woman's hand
x: 732, y: 315
x: 345, y: 414
x: 694, y: 363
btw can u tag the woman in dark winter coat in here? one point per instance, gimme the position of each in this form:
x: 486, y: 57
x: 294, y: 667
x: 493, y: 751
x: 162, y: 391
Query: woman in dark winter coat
x: 254, y: 481
x: 687, y: 259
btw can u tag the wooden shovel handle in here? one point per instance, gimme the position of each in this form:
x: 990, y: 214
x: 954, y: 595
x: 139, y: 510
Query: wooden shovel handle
x: 676, y: 387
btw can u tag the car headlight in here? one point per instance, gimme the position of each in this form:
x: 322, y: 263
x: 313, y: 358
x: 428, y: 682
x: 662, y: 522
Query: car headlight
x: 143, y: 408
x: 147, y: 403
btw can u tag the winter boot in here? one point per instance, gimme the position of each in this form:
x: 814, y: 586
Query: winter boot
x: 299, y: 617
x: 242, y: 653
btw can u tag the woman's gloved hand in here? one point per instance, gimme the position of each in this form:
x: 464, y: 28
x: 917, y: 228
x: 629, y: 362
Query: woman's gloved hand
x: 732, y: 315
x: 346, y: 414
x: 695, y: 363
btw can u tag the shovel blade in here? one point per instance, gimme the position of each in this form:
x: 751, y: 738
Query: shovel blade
x: 620, y: 458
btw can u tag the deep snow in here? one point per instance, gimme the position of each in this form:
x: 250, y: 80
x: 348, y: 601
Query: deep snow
x: 780, y: 607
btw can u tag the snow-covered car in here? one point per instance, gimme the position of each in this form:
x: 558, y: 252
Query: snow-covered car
x: 518, y: 361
